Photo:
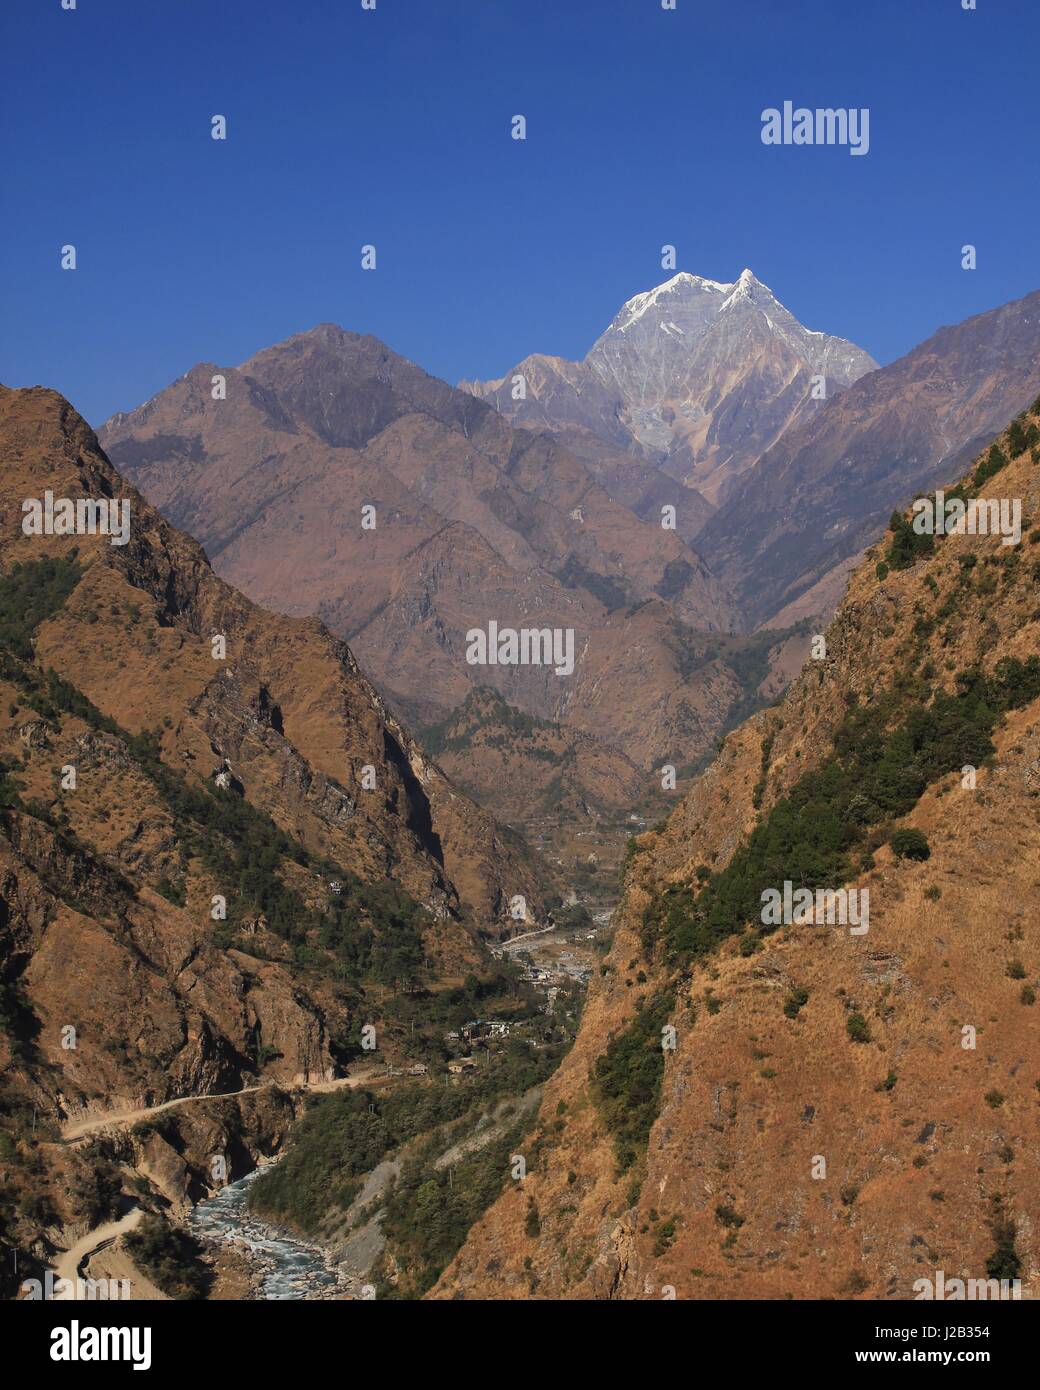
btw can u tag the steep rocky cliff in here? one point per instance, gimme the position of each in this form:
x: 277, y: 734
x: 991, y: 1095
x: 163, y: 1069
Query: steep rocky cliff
x: 220, y: 856
x: 842, y: 1113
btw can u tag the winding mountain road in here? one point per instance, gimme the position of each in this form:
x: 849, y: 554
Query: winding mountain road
x: 67, y: 1265
x: 74, y: 1130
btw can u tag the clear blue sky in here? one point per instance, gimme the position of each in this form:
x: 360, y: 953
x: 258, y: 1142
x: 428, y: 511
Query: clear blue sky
x: 392, y: 127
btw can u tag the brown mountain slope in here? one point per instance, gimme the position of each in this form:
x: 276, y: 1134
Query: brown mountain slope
x: 475, y: 522
x: 216, y: 868
x: 143, y: 779
x: 486, y: 744
x: 326, y: 418
x: 815, y: 499
x: 692, y: 1170
x: 327, y: 722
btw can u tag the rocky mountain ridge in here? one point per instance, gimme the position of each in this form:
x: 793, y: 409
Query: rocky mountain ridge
x: 812, y: 502
x: 471, y: 521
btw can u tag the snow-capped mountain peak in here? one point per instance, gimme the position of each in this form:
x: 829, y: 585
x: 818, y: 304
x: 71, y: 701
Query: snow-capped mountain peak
x: 703, y: 296
x: 681, y: 286
x: 701, y: 375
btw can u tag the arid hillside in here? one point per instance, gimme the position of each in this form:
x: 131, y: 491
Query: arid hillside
x: 494, y: 748
x: 220, y: 856
x: 838, y: 1114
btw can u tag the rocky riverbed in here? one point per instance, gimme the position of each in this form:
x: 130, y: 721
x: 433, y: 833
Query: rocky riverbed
x: 280, y: 1266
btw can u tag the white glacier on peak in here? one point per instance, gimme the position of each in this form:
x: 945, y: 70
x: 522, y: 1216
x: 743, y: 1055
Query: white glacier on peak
x: 699, y: 376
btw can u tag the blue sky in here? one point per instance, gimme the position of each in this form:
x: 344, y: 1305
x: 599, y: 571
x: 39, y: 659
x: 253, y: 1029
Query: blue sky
x: 393, y: 127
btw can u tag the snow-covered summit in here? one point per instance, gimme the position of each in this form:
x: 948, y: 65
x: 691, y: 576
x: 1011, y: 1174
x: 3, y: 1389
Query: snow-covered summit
x: 683, y: 285
x: 700, y: 375
x: 648, y: 349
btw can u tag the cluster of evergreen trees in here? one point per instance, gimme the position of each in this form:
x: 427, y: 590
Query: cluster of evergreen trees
x: 817, y: 835
x: 169, y: 1256
x: 30, y: 593
x: 627, y: 1078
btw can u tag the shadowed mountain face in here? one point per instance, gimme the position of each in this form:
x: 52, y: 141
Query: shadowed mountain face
x: 695, y: 378
x: 815, y: 499
x: 474, y: 521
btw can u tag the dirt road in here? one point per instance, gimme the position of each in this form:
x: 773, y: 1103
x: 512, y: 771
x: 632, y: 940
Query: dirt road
x: 67, y: 1266
x: 79, y: 1129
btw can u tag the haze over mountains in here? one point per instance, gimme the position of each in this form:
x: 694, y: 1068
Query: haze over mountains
x: 196, y: 771
x: 519, y: 674
x: 474, y: 521
x: 554, y: 519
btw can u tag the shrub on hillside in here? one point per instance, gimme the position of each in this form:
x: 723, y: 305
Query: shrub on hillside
x: 857, y: 1028
x: 169, y: 1257
x: 910, y: 844
x: 992, y: 464
x: 1005, y: 1262
x: 907, y: 546
x: 627, y: 1079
